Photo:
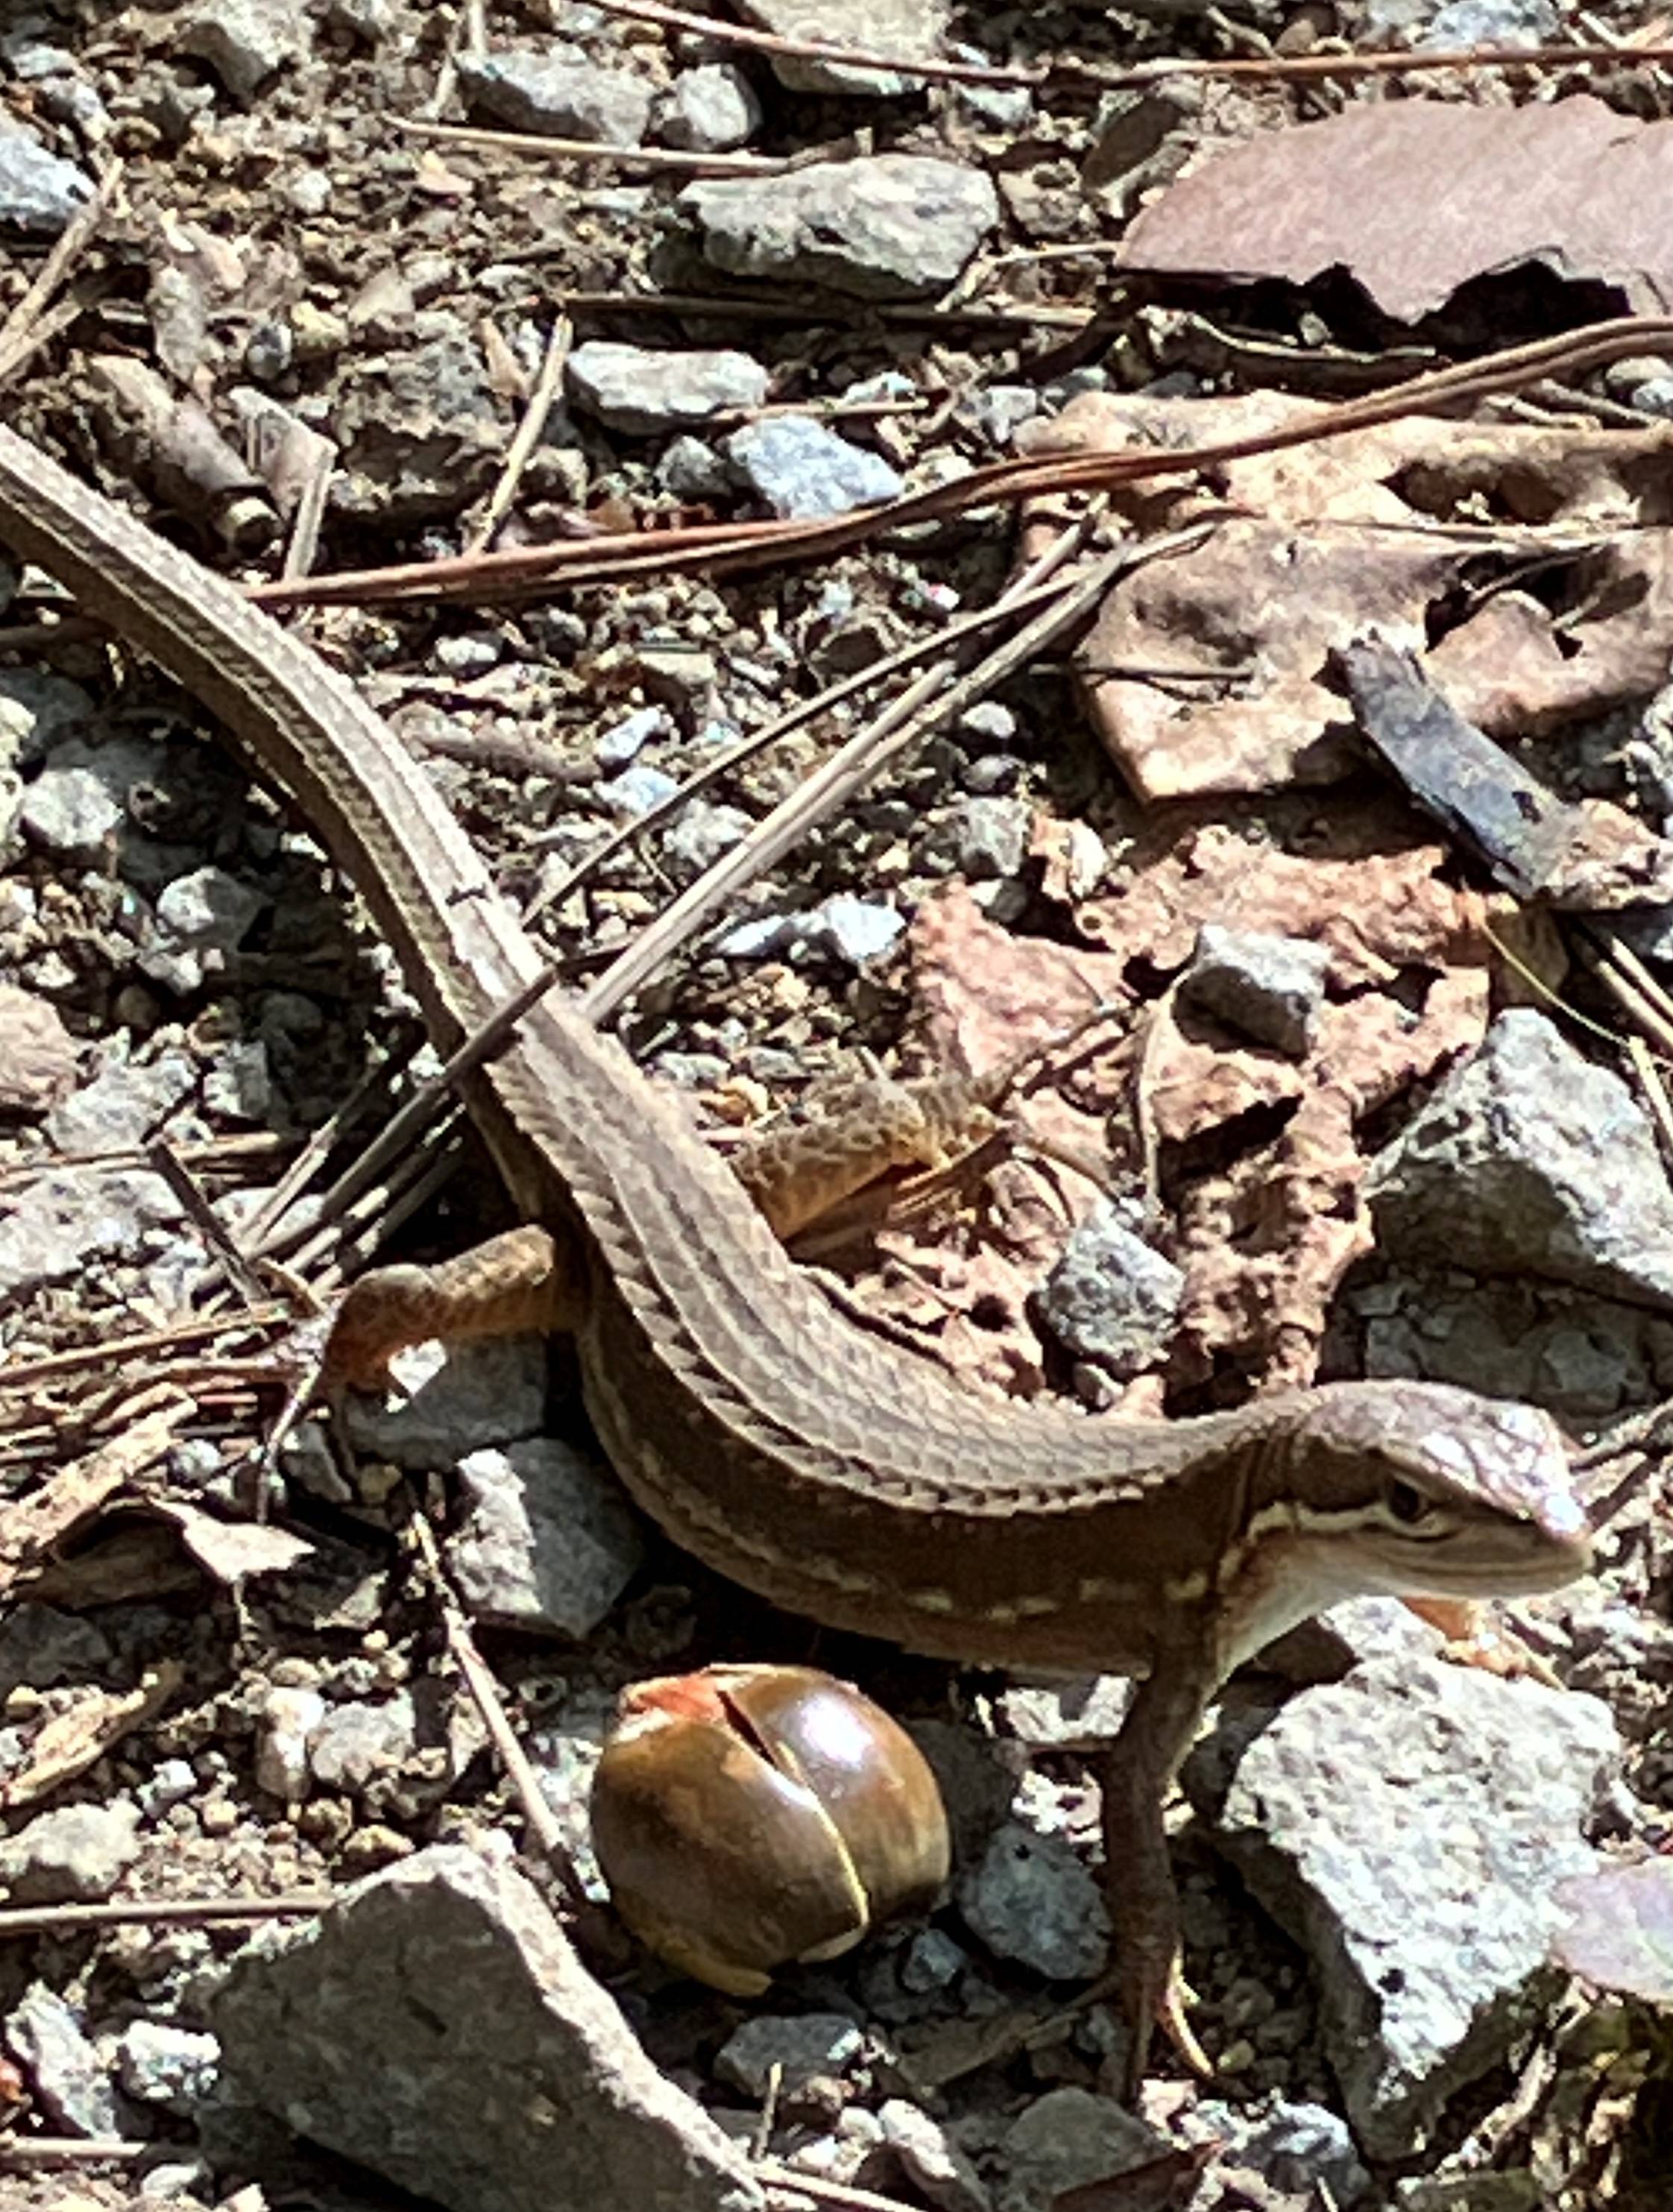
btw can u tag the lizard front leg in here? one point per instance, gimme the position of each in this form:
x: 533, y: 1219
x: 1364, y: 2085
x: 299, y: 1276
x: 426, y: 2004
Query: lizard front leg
x: 528, y: 1278
x: 1148, y: 1977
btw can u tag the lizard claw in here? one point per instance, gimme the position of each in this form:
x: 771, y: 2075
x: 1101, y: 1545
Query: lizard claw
x: 1153, y: 1994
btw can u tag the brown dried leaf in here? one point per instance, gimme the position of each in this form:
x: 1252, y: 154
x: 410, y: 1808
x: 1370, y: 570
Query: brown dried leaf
x: 1353, y: 532
x: 984, y: 994
x: 1193, y: 1087
x: 76, y: 1494
x: 1265, y: 1245
x: 79, y: 1737
x: 231, y: 1551
x: 1574, y: 185
x: 1265, y: 1242
x: 1379, y: 910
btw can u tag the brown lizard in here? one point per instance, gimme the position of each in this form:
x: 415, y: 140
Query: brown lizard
x: 830, y: 1471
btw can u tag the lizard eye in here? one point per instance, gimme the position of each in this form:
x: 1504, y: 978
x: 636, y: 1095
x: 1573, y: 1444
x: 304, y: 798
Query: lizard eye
x: 1406, y: 1503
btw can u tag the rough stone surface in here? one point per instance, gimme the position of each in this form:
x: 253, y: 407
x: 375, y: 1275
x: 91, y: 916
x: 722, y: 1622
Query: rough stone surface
x: 1493, y: 23
x: 1078, y: 1712
x: 843, y: 928
x: 41, y: 1646
x: 549, y: 1541
x: 1111, y: 1298
x: 1531, y: 1157
x: 437, y: 2026
x: 709, y: 110
x: 123, y: 1105
x: 162, y: 2064
x: 77, y: 1852
x: 637, y: 791
x: 38, y: 193
x: 356, y: 1743
x: 1409, y: 1826
x: 490, y: 1392
x: 699, y: 835
x: 38, y: 1055
x: 68, y: 812
x: 888, y: 226
x: 201, y: 919
x: 645, y: 392
x: 802, y: 470
x: 61, y: 1220
x: 1067, y: 2138
x: 1302, y: 2148
x: 1269, y: 987
x: 287, y: 1719
x: 557, y: 95
x: 244, y: 42
x: 46, y: 2037
x: 1580, y: 1356
x: 935, y: 2165
x: 37, y: 710
x: 990, y: 835
x: 911, y: 28
x: 1031, y: 1898
x: 802, y: 2046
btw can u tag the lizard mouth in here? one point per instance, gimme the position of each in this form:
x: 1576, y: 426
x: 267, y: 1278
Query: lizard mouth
x: 1454, y: 1569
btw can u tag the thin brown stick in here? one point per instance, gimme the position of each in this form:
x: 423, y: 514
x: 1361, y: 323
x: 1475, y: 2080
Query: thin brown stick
x: 527, y: 435
x: 309, y: 519
x: 1264, y: 67
x: 531, y: 145
x: 722, y: 548
x: 115, y: 1349
x: 543, y: 1823
x: 164, y: 1161
x: 19, y: 2153
x: 24, y: 331
x: 312, y: 1156
x: 1019, y: 314
x: 159, y: 1912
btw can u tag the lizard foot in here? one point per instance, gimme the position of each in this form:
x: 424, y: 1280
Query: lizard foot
x: 1154, y: 1994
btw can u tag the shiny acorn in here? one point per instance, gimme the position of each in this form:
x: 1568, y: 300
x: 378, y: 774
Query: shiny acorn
x: 749, y: 1818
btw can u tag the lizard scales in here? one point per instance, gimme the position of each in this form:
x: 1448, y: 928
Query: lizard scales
x: 827, y: 1470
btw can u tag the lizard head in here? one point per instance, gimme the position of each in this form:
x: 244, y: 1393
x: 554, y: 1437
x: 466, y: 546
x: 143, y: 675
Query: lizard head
x: 1434, y: 1492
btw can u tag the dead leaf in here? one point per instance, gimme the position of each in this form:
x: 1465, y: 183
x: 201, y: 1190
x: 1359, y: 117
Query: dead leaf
x: 1266, y: 1243
x: 1371, y: 529
x: 1414, y: 198
x: 34, y: 1526
x: 79, y: 1737
x: 1379, y: 904
x: 1266, y: 1236
x: 1193, y: 1087
x: 231, y: 1551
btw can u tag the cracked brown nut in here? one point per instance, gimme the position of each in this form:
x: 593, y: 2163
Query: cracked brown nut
x: 749, y: 1818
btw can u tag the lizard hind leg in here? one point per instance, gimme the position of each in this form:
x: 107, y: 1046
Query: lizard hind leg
x: 524, y: 1279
